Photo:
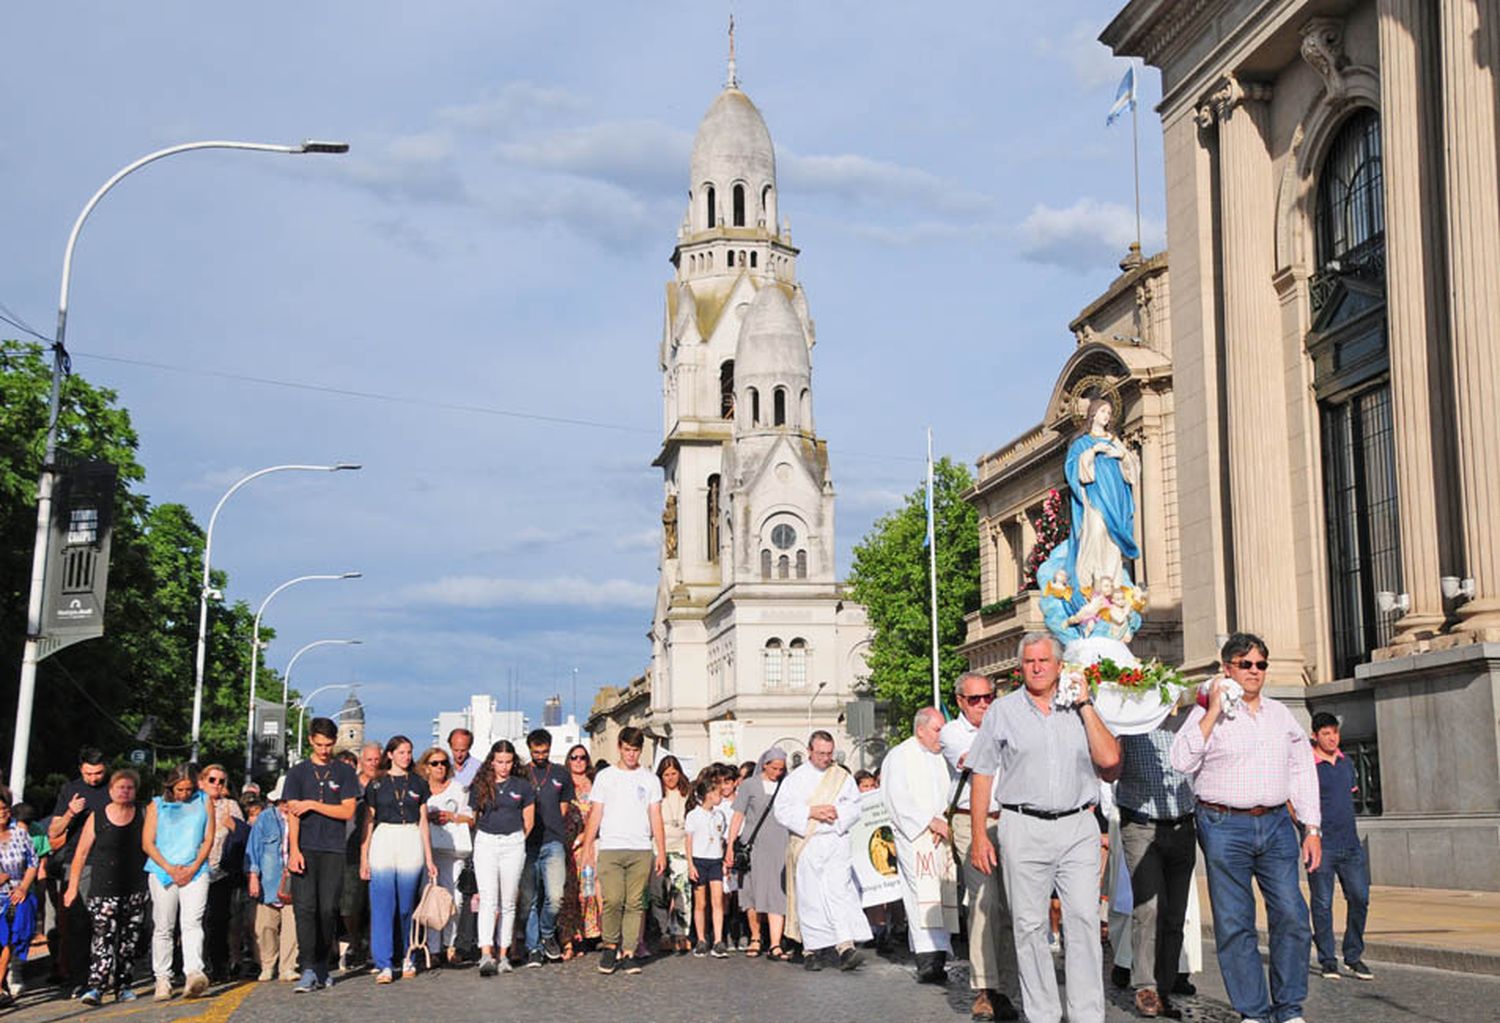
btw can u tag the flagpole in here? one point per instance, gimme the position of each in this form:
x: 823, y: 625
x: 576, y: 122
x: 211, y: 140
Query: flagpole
x: 937, y: 700
x: 1135, y: 150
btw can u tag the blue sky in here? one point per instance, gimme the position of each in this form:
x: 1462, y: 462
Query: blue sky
x: 497, y: 242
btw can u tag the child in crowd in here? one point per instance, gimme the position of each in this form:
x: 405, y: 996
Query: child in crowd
x: 704, y: 843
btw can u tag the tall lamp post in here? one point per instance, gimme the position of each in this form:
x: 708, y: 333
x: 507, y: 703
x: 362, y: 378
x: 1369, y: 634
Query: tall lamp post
x: 255, y: 657
x: 306, y: 702
x: 26, y: 695
x: 286, y: 679
x: 204, y: 592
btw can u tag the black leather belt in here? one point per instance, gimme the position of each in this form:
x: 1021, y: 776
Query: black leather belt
x: 1132, y: 817
x: 1046, y: 815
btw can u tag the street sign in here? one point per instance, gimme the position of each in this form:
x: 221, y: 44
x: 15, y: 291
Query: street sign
x: 138, y: 756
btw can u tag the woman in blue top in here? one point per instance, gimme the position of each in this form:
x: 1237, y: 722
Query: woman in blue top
x: 505, y: 809
x: 397, y: 846
x: 177, y: 838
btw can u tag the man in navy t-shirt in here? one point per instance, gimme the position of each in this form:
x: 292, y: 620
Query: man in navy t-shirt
x: 1343, y: 856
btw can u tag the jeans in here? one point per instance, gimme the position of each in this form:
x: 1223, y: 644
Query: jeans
x: 623, y: 874
x: 1352, y: 869
x: 1237, y: 847
x: 499, y: 861
x: 169, y: 904
x: 315, y: 904
x: 542, y: 891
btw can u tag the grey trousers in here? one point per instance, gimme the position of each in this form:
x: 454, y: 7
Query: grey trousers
x: 992, y: 945
x: 1037, y: 856
x: 1160, y: 858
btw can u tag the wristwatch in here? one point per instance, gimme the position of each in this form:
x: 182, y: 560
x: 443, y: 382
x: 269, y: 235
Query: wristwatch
x: 1315, y: 831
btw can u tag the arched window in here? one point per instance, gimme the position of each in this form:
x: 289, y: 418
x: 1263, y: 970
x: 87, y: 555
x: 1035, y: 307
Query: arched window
x: 731, y: 257
x: 711, y: 512
x: 712, y: 202
x: 765, y: 206
x: 754, y: 407
x: 804, y: 410
x: 801, y: 564
x: 778, y: 407
x: 1351, y: 377
x: 772, y: 661
x: 765, y: 563
x: 726, y: 389
x: 739, y: 205
x: 783, y: 567
x: 796, y: 664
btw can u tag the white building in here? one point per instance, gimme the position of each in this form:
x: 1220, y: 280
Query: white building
x: 488, y: 724
x: 750, y: 623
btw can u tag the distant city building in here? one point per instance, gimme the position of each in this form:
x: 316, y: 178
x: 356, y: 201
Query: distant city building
x: 486, y: 721
x: 552, y: 711
x: 351, y: 722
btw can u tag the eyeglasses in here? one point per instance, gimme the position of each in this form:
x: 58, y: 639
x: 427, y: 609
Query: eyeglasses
x: 216, y: 781
x: 437, y: 763
x: 1247, y: 665
x: 579, y: 756
x: 978, y: 698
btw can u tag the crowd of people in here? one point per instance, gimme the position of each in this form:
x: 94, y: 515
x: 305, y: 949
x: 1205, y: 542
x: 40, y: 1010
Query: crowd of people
x: 395, y: 862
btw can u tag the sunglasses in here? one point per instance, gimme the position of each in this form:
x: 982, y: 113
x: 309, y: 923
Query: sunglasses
x: 216, y: 781
x: 979, y: 698
x: 579, y: 756
x: 1247, y: 665
x: 437, y: 763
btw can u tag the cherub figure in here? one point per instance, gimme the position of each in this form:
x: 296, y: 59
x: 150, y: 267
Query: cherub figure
x: 1058, y: 586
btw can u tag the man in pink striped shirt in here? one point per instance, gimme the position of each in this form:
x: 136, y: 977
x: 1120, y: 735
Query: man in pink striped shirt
x: 1246, y: 771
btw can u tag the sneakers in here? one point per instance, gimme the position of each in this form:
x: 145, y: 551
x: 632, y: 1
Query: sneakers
x: 609, y: 960
x: 631, y: 964
x: 163, y: 990
x: 384, y: 977
x: 197, y: 983
x: 90, y: 997
x: 1360, y: 970
x: 719, y: 951
x: 551, y: 949
x: 1329, y: 971
x: 125, y: 995
x: 535, y: 959
x: 487, y: 967
x: 308, y: 982
x: 700, y: 950
x: 409, y: 971
x: 504, y: 964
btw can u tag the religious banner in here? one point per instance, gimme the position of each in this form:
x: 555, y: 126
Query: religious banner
x: 726, y: 741
x: 937, y: 884
x: 873, y: 845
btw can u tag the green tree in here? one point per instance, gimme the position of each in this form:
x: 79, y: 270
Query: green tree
x: 890, y: 579
x: 100, y: 692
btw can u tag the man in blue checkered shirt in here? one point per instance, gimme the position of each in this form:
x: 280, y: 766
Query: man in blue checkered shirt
x: 1159, y: 835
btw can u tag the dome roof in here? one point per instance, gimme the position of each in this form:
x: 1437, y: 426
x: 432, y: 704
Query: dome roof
x: 352, y: 710
x: 772, y: 342
x: 733, y: 143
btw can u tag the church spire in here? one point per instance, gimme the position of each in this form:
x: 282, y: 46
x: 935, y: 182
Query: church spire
x: 733, y: 79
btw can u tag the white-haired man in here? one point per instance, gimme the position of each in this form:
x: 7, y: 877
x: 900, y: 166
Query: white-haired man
x: 914, y: 784
x: 1049, y: 761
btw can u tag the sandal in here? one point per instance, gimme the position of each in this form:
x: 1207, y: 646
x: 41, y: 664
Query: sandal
x: 777, y: 954
x: 752, y: 951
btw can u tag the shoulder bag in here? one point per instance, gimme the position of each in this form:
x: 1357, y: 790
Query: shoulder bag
x: 742, y: 846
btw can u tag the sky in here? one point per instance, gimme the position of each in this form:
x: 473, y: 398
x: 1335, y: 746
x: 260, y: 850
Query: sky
x: 470, y: 302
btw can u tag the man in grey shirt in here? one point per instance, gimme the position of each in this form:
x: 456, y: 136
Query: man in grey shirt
x: 1049, y: 761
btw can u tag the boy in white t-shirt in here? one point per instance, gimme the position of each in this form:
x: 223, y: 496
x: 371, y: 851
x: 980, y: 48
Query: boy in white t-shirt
x: 623, y: 831
x: 706, y: 829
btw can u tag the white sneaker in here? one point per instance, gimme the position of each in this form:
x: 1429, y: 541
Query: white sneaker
x: 163, y: 990
x: 1294, y: 1019
x: 197, y: 983
x: 505, y: 966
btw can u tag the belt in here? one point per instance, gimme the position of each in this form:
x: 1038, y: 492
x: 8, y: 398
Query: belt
x: 1250, y: 811
x: 1131, y: 817
x: 1046, y: 815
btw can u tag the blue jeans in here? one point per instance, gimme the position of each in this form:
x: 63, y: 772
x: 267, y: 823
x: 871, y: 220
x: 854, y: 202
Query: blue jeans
x: 542, y: 889
x: 1352, y: 869
x: 1237, y: 847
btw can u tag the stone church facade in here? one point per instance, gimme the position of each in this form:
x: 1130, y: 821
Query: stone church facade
x: 751, y: 624
x: 1333, y: 224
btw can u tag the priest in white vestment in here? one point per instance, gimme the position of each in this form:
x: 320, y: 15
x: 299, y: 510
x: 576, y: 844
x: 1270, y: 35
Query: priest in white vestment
x: 819, y: 803
x: 915, y: 782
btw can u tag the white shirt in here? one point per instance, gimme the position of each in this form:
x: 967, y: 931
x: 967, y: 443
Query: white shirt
x: 957, y: 738
x: 706, y: 829
x: 627, y: 797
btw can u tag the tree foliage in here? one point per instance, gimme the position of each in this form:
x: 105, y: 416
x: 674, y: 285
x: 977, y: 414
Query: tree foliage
x: 100, y: 692
x: 890, y: 578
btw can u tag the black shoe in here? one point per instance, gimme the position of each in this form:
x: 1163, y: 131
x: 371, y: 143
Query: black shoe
x: 552, y: 950
x: 1004, y: 1008
x: 1168, y: 1010
x: 812, y: 961
x: 609, y: 960
x: 1329, y: 971
x: 1184, y: 986
x: 631, y: 964
x: 700, y: 950
x: 534, y: 959
x: 851, y: 959
x: 1360, y: 970
x: 1119, y: 976
x: 930, y: 968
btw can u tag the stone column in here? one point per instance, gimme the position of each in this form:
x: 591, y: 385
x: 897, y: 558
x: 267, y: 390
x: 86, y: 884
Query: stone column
x: 1410, y: 318
x: 1470, y: 42
x: 1260, y: 498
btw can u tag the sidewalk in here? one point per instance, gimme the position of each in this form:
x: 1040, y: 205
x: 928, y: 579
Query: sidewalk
x: 1438, y: 927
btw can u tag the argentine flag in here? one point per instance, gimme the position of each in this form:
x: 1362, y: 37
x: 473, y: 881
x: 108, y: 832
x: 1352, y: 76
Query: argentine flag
x: 1124, y: 96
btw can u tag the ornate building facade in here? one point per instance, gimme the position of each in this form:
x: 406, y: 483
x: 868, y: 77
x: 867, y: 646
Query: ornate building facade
x: 751, y: 624
x: 1333, y: 219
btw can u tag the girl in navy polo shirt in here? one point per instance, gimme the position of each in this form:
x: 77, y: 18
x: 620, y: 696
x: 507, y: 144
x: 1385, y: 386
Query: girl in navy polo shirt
x: 505, y: 809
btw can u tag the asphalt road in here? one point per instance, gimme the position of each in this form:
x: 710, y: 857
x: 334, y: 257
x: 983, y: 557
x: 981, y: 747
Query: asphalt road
x: 739, y: 989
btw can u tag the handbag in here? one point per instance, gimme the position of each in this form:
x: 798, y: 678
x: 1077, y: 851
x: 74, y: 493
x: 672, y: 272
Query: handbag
x: 434, y: 911
x: 742, y: 846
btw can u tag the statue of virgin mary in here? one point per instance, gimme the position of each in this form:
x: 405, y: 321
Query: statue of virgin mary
x: 1102, y: 473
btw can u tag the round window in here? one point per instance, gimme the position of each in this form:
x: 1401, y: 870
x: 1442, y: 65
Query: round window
x: 783, y: 536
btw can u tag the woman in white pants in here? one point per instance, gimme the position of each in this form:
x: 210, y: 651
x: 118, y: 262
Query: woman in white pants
x: 177, y: 837
x: 450, y: 821
x: 504, y: 810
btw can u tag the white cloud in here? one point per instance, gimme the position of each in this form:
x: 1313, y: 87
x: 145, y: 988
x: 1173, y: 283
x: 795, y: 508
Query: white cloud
x: 418, y: 167
x: 474, y: 592
x: 513, y: 103
x: 1084, y: 236
x: 644, y: 156
x: 645, y: 540
x: 1092, y: 63
x: 862, y: 179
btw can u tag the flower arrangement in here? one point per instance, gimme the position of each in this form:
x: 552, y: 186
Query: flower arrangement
x: 1051, y: 529
x: 1137, y: 680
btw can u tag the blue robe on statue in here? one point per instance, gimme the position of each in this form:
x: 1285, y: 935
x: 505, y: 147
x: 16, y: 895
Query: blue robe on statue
x: 1110, y: 495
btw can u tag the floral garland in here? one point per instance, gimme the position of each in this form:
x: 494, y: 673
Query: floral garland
x: 1051, y: 529
x: 1150, y: 677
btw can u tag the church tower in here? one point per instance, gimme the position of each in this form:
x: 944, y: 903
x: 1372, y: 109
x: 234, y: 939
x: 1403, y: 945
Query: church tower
x: 751, y: 625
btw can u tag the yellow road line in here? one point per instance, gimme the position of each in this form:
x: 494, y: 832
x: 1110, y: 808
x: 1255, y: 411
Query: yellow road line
x: 222, y: 1006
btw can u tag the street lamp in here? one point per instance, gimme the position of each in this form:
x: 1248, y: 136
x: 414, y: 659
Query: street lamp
x: 286, y: 679
x: 255, y: 658
x: 821, y: 686
x: 26, y: 694
x: 306, y: 701
x: 204, y: 592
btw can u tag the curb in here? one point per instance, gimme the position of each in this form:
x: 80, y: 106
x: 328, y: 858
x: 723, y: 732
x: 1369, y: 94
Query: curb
x: 1458, y: 960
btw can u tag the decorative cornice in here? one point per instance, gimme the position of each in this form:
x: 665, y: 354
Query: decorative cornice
x: 1149, y: 30
x: 1228, y: 94
x: 1323, y: 49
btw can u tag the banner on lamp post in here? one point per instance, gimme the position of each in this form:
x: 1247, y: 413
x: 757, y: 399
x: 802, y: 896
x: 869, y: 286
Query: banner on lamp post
x: 77, y: 556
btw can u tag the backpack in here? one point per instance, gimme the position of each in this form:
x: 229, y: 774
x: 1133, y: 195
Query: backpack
x: 434, y: 911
